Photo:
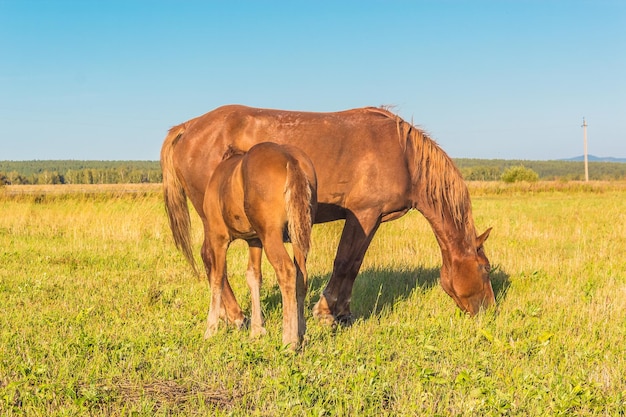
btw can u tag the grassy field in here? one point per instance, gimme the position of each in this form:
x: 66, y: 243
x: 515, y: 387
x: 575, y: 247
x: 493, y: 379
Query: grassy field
x: 100, y: 315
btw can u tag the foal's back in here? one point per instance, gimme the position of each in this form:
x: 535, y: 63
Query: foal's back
x: 248, y: 189
x: 280, y: 188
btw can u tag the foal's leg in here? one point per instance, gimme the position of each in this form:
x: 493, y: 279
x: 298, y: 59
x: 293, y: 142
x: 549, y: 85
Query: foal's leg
x: 286, y: 277
x: 334, y: 303
x: 254, y: 280
x: 216, y: 253
x: 230, y: 311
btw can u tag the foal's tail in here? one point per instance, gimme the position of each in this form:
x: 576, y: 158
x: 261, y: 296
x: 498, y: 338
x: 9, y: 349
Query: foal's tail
x: 175, y: 197
x: 299, y: 200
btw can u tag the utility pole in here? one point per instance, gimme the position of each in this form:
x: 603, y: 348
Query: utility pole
x: 584, y: 126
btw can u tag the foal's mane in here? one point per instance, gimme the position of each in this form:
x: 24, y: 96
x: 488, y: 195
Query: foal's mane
x: 432, y: 169
x: 232, y: 151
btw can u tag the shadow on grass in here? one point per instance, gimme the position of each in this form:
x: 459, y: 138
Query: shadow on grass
x: 500, y: 283
x: 376, y: 290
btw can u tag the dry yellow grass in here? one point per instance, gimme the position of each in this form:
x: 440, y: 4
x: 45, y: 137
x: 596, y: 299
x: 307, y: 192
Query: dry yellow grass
x: 59, y: 189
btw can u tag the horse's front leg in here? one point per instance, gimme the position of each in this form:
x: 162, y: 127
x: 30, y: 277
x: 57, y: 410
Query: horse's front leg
x: 334, y: 303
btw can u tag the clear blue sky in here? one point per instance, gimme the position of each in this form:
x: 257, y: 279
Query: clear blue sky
x: 487, y: 79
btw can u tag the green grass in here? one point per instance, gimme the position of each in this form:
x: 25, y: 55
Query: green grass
x: 100, y: 315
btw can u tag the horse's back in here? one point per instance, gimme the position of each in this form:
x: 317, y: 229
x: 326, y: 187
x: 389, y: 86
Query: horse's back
x: 357, y: 153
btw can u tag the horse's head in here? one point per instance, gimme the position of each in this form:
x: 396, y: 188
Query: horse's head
x: 466, y: 278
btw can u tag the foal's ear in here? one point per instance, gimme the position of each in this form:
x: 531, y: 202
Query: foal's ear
x: 480, y: 240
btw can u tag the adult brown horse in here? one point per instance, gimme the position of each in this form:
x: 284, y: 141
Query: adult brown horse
x: 257, y: 196
x: 372, y: 167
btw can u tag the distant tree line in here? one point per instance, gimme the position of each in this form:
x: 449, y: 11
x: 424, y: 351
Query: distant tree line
x: 125, y: 172
x: 493, y: 169
x: 79, y: 172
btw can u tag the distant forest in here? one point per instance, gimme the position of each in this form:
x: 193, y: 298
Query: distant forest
x: 79, y: 172
x: 492, y: 169
x: 127, y: 172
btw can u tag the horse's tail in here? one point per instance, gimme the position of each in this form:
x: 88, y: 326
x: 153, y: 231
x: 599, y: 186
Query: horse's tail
x: 175, y: 197
x: 298, y: 201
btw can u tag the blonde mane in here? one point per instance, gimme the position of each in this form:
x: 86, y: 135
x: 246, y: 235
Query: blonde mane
x: 445, y: 189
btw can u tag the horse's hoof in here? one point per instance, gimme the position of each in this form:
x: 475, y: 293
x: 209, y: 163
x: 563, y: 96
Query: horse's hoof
x: 345, y: 320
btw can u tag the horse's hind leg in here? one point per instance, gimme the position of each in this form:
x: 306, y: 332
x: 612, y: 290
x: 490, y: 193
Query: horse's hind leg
x: 301, y: 287
x: 254, y: 280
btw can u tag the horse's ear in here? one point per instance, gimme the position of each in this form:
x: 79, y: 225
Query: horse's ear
x: 480, y: 240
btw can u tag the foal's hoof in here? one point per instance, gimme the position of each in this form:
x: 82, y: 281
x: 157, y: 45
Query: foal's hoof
x: 292, y: 346
x: 242, y: 323
x: 326, y: 319
x: 257, y: 332
x: 210, y: 332
x: 322, y: 312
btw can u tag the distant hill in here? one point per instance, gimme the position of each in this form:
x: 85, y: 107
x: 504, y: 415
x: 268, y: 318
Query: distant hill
x: 596, y: 159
